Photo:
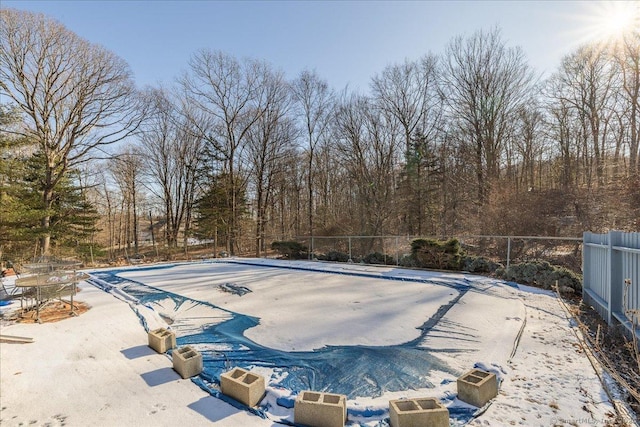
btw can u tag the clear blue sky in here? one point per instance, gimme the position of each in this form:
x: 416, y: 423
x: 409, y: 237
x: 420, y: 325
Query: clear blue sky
x: 347, y: 42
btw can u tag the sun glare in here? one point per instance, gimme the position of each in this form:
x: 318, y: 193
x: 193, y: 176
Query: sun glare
x: 614, y: 19
x: 619, y: 18
x: 603, y: 23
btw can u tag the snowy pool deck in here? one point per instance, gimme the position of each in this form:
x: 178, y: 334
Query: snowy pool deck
x: 373, y: 333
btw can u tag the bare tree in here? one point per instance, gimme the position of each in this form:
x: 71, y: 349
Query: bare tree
x: 75, y: 96
x: 627, y: 56
x: 562, y: 127
x: 126, y: 169
x: 331, y: 188
x: 527, y: 142
x: 408, y: 92
x: 269, y: 140
x: 315, y: 104
x: 225, y: 92
x: 484, y: 83
x: 110, y: 213
x: 369, y: 149
x: 288, y: 194
x: 173, y: 151
x: 587, y: 83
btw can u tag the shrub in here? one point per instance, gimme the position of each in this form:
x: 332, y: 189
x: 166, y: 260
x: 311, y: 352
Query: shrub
x: 290, y: 249
x: 442, y: 255
x: 407, y: 261
x: 479, y: 265
x: 541, y: 274
x: 378, y: 258
x: 336, y: 256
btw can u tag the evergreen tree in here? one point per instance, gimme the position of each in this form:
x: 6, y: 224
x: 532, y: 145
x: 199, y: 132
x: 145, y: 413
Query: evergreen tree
x: 18, y: 217
x: 214, y: 211
x: 73, y: 218
x: 419, y: 184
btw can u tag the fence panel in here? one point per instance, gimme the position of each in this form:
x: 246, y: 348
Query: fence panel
x: 595, y: 265
x: 611, y: 264
x: 630, y: 272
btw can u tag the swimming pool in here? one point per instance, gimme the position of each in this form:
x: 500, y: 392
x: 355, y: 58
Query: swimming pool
x: 369, y: 333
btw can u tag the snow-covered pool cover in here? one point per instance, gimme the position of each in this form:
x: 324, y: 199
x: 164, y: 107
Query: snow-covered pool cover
x: 372, y: 333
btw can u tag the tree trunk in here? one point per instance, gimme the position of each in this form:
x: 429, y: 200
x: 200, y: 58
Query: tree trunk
x: 45, y: 240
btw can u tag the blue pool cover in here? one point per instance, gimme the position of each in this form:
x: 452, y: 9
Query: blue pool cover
x: 356, y: 371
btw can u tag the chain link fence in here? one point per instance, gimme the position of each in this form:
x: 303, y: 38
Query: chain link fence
x: 393, y: 250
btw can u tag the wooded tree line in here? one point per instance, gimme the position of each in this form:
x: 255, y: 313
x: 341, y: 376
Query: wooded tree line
x: 469, y: 141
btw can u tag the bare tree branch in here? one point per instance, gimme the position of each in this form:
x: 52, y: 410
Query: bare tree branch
x: 75, y: 96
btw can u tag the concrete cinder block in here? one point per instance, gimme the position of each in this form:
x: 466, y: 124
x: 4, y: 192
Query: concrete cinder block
x: 477, y: 387
x: 162, y: 339
x: 187, y: 361
x: 244, y: 386
x: 419, y: 412
x: 315, y: 409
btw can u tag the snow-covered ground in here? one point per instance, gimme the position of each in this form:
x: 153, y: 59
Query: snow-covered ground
x: 372, y: 333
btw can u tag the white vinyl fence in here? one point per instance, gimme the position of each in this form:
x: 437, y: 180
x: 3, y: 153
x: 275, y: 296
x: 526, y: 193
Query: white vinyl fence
x: 611, y: 268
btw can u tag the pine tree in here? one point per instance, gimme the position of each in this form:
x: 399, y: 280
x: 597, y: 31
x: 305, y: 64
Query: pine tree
x: 18, y: 217
x: 21, y: 205
x: 73, y: 218
x: 214, y: 212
